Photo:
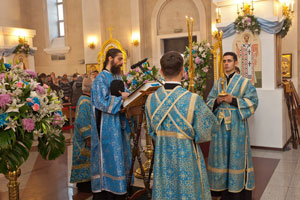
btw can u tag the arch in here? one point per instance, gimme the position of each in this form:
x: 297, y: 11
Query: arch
x: 156, y: 41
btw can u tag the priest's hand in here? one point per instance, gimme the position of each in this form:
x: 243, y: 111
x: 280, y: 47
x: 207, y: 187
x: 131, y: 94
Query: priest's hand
x: 227, y: 99
x: 124, y: 95
x: 219, y: 100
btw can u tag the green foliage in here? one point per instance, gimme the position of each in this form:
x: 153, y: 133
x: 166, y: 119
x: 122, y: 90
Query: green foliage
x: 16, y: 151
x: 286, y: 27
x: 136, y: 77
x: 247, y: 22
x: 51, y: 146
x: 22, y: 48
x: 202, y: 59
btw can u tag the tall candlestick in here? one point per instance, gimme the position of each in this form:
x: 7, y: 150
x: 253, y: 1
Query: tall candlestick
x: 192, y: 22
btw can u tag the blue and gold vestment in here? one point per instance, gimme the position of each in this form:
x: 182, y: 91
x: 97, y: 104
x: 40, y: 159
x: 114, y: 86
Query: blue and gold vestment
x: 110, y: 153
x: 179, y: 120
x: 82, y: 131
x: 230, y: 164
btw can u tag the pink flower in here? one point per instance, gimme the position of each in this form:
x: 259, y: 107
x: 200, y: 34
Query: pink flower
x: 4, y: 99
x: 198, y: 60
x: 28, y: 124
x: 128, y: 82
x: 30, y: 73
x: 205, y: 69
x: 45, y: 86
x: 19, y: 84
x: 2, y: 76
x: 248, y: 19
x: 186, y: 77
x: 29, y: 100
x: 40, y: 89
x: 35, y: 107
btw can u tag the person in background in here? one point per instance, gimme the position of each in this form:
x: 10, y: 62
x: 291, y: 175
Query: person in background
x: 74, y: 78
x: 230, y: 166
x: 80, y: 173
x: 111, y: 153
x: 55, y: 85
x: 42, y: 79
x: 76, y: 90
x: 178, y: 121
x: 94, y: 74
x: 49, y: 80
x: 67, y: 90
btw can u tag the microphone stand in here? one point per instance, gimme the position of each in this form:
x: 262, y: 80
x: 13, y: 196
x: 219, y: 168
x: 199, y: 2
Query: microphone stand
x: 144, y: 70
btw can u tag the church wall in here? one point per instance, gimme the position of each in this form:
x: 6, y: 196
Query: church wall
x: 116, y: 14
x: 290, y: 45
x: 11, y: 13
x: 37, y: 20
x: 147, y: 10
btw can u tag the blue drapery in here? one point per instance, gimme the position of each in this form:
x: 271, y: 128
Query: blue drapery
x: 272, y: 27
x: 8, y: 52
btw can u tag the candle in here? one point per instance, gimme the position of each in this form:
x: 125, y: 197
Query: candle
x: 191, y: 32
x: 188, y: 24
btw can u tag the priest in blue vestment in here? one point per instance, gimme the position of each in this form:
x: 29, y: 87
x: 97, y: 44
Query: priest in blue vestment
x: 178, y: 120
x: 230, y: 167
x: 110, y: 153
x: 81, y: 162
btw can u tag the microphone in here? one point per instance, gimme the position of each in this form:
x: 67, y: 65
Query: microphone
x: 138, y: 63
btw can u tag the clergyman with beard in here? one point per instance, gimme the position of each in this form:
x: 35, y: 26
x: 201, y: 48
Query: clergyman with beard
x: 110, y: 152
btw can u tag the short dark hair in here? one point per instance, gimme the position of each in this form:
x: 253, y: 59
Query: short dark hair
x: 237, y: 69
x: 171, y: 63
x: 43, y: 75
x: 111, y: 53
x: 234, y: 56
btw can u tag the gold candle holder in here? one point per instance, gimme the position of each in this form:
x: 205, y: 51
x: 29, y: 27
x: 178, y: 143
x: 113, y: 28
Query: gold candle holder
x: 148, y: 152
x: 191, y: 63
x: 246, y: 8
x: 13, y: 185
x: 218, y: 60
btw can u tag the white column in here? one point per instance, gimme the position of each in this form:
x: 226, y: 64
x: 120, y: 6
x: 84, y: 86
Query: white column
x: 91, y: 28
x: 135, y: 21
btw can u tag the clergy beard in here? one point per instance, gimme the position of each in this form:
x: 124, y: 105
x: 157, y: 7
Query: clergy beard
x: 115, y: 69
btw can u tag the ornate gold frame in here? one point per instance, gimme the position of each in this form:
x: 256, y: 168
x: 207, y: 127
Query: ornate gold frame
x: 109, y: 44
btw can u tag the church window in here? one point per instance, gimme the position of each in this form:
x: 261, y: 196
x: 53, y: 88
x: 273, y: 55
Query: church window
x: 61, y: 24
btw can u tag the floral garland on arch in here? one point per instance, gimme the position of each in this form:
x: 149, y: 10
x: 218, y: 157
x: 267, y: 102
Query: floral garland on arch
x: 136, y: 77
x: 22, y: 48
x: 27, y: 109
x: 247, y: 22
x: 202, y: 58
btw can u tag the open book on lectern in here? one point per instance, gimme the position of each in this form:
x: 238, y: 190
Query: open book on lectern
x: 139, y: 96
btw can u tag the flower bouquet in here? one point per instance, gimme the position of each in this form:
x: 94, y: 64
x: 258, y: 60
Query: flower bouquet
x: 202, y: 58
x: 136, y: 77
x: 247, y: 22
x: 27, y: 109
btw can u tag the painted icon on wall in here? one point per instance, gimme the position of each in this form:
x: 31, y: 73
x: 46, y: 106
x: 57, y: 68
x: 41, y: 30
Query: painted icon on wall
x: 92, y: 67
x: 286, y: 65
x: 248, y: 50
x: 21, y: 60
